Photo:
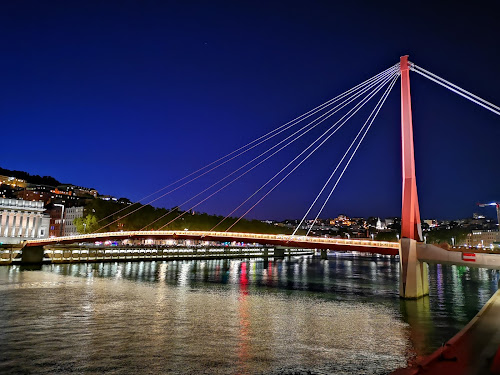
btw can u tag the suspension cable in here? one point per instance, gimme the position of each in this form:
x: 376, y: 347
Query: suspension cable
x: 265, y: 137
x: 374, y: 113
x: 378, y: 78
x: 303, y: 160
x: 211, y: 195
x: 339, y: 163
x: 325, y: 116
x: 456, y: 89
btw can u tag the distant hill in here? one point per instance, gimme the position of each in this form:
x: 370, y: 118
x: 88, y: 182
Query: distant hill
x: 32, y: 179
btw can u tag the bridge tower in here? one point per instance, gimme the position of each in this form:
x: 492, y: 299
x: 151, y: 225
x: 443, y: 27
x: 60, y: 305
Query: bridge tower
x: 414, y: 280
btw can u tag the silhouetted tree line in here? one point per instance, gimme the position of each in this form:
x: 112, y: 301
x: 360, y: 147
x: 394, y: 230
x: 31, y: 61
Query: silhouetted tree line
x: 434, y: 236
x: 32, y: 179
x: 110, y: 220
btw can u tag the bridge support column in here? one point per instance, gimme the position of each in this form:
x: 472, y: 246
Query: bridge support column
x: 32, y: 255
x: 324, y: 254
x: 413, y: 279
x: 279, y: 252
x: 413, y: 274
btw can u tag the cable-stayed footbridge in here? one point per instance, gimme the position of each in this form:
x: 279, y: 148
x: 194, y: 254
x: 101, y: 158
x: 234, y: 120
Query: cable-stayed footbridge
x: 321, y: 123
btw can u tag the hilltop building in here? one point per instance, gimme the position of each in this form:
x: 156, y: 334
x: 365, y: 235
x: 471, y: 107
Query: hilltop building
x: 12, y: 182
x: 51, y: 194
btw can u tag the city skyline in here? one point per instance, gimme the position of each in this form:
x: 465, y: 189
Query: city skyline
x: 132, y: 103
x: 483, y: 211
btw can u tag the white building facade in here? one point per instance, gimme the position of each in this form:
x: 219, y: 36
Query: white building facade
x: 22, y: 220
x: 70, y: 215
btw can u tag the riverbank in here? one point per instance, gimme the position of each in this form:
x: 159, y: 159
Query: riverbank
x: 472, y: 351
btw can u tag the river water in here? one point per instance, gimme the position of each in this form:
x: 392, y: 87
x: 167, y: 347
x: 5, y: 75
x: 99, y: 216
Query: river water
x: 300, y: 315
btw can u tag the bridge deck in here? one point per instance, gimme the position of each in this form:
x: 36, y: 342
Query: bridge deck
x: 377, y: 247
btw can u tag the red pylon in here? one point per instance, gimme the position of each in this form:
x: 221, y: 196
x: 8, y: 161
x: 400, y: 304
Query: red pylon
x: 410, y: 215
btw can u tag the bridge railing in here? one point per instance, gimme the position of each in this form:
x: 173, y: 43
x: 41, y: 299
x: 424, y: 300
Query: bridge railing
x: 218, y: 236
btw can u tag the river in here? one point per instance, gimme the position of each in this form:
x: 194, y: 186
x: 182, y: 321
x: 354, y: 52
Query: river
x: 300, y: 315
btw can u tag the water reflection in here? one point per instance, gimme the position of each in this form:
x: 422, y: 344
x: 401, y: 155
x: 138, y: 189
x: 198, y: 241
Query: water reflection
x: 244, y: 316
x: 341, y: 315
x: 306, y: 273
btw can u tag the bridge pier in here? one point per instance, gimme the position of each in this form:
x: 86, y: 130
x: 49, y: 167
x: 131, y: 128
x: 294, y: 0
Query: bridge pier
x: 279, y: 252
x: 32, y: 255
x: 413, y: 274
x: 324, y: 254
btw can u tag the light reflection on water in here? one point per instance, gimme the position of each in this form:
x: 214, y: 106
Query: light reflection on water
x: 254, y: 316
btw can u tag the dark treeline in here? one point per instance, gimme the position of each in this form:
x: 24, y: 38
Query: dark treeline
x: 32, y: 179
x: 147, y: 214
x: 441, y: 236
x: 435, y: 236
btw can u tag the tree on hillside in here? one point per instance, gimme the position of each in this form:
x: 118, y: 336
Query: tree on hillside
x: 86, y: 224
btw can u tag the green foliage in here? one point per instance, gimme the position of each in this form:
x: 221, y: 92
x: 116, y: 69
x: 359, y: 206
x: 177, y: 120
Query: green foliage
x: 387, y: 236
x: 436, y: 236
x: 115, y: 221
x: 442, y: 236
x: 86, y: 224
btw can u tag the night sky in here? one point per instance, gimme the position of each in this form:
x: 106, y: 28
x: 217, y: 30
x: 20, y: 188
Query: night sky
x: 128, y: 96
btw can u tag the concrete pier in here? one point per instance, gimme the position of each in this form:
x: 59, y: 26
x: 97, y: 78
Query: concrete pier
x: 32, y: 255
x: 414, y: 278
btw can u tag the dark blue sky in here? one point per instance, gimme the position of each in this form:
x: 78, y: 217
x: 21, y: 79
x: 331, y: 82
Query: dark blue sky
x: 128, y: 96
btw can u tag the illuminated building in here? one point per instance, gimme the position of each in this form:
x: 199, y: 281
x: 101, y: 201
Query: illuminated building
x: 13, y: 182
x: 22, y: 220
x: 431, y: 223
x: 62, y: 220
x: 380, y: 225
x: 50, y: 194
x: 389, y: 222
x: 70, y: 215
x: 483, y: 238
x: 79, y: 191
